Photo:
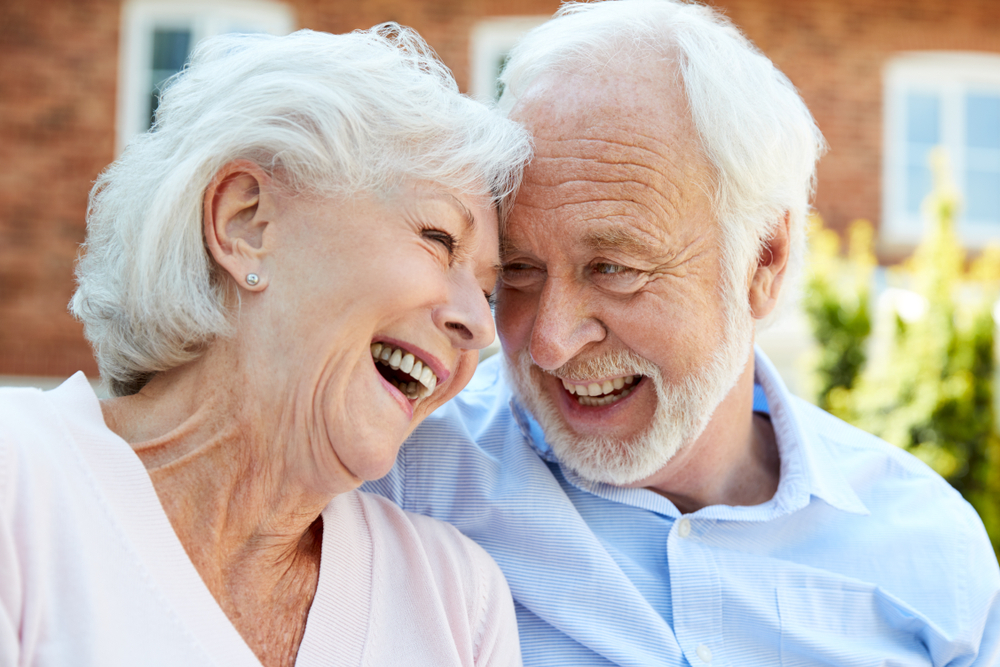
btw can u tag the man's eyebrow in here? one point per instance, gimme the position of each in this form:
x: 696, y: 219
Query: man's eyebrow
x: 506, y: 247
x: 616, y: 238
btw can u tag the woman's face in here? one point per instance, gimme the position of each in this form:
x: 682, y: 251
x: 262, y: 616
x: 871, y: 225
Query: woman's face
x: 405, y: 280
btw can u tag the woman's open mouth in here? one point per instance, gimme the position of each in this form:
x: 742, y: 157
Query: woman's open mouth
x: 404, y: 370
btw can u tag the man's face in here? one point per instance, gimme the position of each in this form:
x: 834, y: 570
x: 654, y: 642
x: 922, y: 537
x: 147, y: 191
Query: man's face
x: 612, y: 310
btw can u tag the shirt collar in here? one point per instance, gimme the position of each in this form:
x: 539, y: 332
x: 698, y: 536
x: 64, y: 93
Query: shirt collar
x: 807, y: 469
x: 535, y: 437
x: 532, y: 431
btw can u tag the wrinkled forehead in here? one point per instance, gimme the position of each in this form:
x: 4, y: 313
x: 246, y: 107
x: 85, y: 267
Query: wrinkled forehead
x: 613, y: 149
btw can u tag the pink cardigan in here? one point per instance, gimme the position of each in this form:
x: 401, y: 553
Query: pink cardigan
x: 92, y: 573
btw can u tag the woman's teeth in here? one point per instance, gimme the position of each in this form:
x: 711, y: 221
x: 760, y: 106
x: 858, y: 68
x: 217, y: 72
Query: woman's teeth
x: 601, y: 393
x: 423, y: 378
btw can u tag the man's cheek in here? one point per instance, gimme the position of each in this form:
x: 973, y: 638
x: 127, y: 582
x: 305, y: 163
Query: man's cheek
x: 515, y: 315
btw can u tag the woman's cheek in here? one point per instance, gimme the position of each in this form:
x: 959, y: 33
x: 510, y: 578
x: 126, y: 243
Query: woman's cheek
x: 468, y: 360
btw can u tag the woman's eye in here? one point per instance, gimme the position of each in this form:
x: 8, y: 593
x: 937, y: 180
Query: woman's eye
x: 491, y: 299
x: 442, y: 237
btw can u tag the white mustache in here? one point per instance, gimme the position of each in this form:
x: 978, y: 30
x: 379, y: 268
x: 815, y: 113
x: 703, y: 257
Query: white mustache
x: 613, y: 364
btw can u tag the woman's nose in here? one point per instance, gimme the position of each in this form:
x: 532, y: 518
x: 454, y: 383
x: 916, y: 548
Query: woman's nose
x: 466, y: 316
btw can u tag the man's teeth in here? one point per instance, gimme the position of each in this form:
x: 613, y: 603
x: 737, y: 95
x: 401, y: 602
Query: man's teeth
x: 424, y: 379
x: 601, y: 393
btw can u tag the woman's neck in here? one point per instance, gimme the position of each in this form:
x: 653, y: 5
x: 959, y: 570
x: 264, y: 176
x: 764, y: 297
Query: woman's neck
x: 238, y: 499
x: 221, y: 458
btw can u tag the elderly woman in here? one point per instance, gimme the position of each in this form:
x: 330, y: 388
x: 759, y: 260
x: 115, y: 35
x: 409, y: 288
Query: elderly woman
x: 281, y: 279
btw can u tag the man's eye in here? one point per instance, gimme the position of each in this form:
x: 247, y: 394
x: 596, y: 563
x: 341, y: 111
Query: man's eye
x: 520, y: 274
x: 615, y: 277
x: 440, y: 236
x: 609, y: 269
x: 515, y: 267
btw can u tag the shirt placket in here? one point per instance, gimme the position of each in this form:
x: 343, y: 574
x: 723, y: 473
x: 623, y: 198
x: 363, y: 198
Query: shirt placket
x: 696, y: 592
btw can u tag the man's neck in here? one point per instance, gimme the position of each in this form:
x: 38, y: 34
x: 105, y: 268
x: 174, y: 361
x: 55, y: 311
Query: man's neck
x: 733, y: 462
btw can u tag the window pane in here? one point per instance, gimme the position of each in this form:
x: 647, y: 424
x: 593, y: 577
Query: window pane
x: 170, y: 49
x: 501, y: 62
x: 918, y: 186
x: 923, y: 118
x: 982, y: 196
x: 982, y: 121
x: 170, y: 52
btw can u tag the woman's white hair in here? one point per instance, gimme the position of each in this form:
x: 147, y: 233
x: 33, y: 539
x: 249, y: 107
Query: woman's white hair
x: 326, y: 115
x: 754, y: 128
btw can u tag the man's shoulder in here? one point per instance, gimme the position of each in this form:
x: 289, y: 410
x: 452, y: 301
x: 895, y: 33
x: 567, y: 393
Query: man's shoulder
x: 488, y: 386
x: 854, y: 447
x: 914, y: 523
x: 489, y: 377
x: 465, y: 447
x: 482, y: 406
x: 890, y: 481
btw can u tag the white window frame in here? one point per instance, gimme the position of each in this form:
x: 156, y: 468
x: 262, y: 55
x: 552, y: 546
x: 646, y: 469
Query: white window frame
x: 203, y: 18
x: 491, y: 40
x: 950, y: 75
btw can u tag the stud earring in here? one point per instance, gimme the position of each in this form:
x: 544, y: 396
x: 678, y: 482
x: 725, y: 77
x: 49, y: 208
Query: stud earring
x: 252, y: 279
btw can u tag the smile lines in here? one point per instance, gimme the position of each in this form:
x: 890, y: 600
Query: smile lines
x: 601, y: 393
x: 414, y: 378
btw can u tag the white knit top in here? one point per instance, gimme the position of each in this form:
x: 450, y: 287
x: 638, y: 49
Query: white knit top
x: 92, y: 573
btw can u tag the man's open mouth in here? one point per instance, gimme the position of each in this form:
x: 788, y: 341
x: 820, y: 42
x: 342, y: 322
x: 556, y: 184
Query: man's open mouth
x: 404, y: 370
x: 604, y: 392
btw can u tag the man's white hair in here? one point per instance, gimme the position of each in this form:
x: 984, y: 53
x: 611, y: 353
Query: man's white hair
x: 326, y: 115
x: 755, y: 130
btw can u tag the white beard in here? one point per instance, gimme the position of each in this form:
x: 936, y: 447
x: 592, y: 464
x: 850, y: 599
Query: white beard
x: 683, y: 409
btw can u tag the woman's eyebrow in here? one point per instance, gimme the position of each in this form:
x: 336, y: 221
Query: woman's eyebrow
x: 466, y: 214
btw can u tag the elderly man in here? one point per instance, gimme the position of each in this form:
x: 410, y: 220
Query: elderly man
x: 652, y: 491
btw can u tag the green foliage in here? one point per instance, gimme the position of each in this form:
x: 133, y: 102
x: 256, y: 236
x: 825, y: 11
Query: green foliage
x: 929, y: 385
x: 837, y: 299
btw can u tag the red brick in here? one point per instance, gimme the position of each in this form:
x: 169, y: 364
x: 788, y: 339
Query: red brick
x: 57, y: 108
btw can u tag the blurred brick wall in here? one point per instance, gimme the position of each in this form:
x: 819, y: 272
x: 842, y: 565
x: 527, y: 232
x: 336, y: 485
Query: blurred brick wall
x: 833, y: 51
x: 57, y: 105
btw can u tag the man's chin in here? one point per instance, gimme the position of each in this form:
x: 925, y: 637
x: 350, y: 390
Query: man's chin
x: 612, y: 458
x: 615, y: 462
x: 680, y: 413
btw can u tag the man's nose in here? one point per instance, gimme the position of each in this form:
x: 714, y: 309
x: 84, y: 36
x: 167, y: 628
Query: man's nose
x: 465, y: 317
x: 563, y: 325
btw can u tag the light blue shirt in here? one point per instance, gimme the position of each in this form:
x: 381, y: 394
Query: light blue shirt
x: 864, y: 556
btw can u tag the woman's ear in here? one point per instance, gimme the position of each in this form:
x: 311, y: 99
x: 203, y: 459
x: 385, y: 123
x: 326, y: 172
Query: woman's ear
x: 765, y: 285
x: 238, y: 206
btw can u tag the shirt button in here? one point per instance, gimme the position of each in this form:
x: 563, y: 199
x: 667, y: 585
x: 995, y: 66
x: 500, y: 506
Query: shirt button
x: 704, y: 653
x: 684, y: 529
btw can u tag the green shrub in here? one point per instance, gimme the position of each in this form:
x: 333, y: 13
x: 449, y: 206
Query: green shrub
x: 928, y: 387
x: 837, y: 300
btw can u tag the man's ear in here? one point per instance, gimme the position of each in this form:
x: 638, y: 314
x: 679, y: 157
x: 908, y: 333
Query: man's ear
x: 238, y: 206
x: 765, y: 285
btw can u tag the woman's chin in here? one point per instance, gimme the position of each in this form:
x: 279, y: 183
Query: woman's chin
x: 376, y: 462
